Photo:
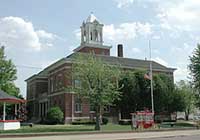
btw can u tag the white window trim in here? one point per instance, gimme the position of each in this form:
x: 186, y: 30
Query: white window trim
x: 78, y: 111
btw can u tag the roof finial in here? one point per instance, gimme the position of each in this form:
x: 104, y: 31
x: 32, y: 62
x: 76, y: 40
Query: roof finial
x: 91, y: 18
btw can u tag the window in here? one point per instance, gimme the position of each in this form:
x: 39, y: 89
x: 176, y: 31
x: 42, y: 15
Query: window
x: 90, y: 35
x: 77, y: 83
x: 84, y: 36
x: 51, y: 85
x: 60, y: 81
x: 95, y: 35
x: 78, y: 106
x: 92, y: 109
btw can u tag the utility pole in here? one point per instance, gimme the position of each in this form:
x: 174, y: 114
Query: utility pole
x: 151, y: 78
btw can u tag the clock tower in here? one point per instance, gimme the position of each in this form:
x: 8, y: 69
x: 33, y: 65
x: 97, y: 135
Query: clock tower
x: 92, y: 37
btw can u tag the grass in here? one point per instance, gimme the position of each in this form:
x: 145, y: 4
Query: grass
x: 178, y: 124
x: 86, y: 128
x: 67, y: 128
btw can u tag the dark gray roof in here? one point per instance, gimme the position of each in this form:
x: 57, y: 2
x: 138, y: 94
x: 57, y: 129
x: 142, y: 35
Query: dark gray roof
x: 131, y: 63
x: 5, y: 96
x: 121, y: 61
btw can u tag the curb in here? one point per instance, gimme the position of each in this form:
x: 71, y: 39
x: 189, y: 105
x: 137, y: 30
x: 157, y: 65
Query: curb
x: 15, y: 135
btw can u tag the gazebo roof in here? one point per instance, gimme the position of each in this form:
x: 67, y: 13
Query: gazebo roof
x: 4, y: 97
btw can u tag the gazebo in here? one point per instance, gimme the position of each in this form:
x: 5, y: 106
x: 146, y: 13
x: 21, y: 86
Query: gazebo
x: 9, y: 124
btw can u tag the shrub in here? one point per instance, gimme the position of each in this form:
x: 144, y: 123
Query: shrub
x: 104, y: 120
x: 54, y: 116
x: 83, y: 122
x: 124, y: 122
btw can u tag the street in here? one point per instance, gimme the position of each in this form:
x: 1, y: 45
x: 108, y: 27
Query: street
x: 195, y: 137
x: 165, y: 135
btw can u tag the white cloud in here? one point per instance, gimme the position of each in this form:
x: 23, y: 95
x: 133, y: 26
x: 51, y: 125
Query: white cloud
x: 173, y: 14
x: 123, y: 32
x: 77, y: 33
x: 161, y: 61
x: 181, y: 74
x: 136, y: 50
x: 179, y: 14
x: 183, y: 50
x: 44, y: 34
x: 15, y: 32
x: 156, y: 37
x: 126, y: 31
x: 123, y: 3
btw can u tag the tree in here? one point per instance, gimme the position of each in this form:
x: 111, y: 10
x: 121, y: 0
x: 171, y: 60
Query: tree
x: 136, y: 94
x: 54, y: 115
x: 8, y: 75
x: 98, y: 82
x: 195, y: 67
x: 187, y: 92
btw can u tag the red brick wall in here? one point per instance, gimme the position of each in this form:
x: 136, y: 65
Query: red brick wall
x: 60, y: 78
x: 95, y: 50
x: 68, y: 105
x: 58, y: 100
x: 85, y: 109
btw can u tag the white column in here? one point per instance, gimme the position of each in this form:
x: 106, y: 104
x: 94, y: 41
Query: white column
x: 46, y: 105
x: 42, y: 109
x: 4, y: 111
x: 72, y: 107
x: 19, y: 111
x: 120, y: 115
x: 15, y: 111
x: 39, y: 108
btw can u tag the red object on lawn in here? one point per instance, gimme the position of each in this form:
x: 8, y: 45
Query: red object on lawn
x: 144, y: 119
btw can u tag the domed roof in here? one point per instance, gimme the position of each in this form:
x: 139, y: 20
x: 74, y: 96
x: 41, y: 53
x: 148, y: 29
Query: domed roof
x: 91, y: 18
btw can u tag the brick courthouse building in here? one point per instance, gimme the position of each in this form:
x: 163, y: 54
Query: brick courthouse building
x: 45, y: 89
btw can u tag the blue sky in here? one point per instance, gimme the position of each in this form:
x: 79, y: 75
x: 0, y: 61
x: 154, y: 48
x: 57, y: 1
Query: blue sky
x: 36, y: 33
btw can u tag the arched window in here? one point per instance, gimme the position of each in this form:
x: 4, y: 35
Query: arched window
x: 90, y: 35
x: 100, y: 37
x: 78, y: 105
x: 84, y: 36
x: 95, y: 35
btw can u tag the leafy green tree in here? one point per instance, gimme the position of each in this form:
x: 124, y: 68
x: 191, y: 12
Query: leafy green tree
x: 195, y: 67
x: 54, y: 115
x: 98, y: 82
x: 8, y: 75
x: 136, y: 94
x: 188, y: 94
x: 166, y: 99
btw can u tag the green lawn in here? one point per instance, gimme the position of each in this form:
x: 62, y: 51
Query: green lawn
x: 178, y: 124
x: 67, y: 128
x: 85, y: 128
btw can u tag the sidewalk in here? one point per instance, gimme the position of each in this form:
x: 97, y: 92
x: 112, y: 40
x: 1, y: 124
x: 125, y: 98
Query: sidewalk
x: 113, y: 136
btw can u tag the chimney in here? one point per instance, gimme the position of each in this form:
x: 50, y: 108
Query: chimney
x: 120, y: 50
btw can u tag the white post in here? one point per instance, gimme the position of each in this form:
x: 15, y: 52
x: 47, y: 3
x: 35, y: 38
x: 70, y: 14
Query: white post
x: 19, y: 111
x: 15, y: 111
x: 119, y: 115
x: 151, y: 77
x: 4, y: 111
x: 72, y: 107
x: 46, y: 109
x: 39, y: 109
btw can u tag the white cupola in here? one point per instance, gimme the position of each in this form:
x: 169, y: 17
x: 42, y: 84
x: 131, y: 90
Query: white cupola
x: 92, y: 31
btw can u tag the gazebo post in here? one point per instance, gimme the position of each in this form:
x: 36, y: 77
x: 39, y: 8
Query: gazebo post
x: 15, y: 111
x: 4, y: 111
